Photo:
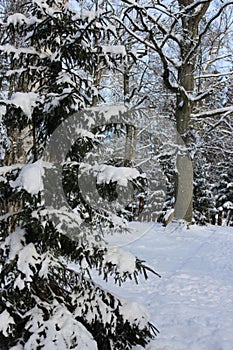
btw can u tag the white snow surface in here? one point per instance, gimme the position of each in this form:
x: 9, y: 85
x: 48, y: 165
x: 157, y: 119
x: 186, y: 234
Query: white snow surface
x: 192, y: 304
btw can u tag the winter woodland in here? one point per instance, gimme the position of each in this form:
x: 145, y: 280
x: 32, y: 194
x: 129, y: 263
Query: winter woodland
x: 111, y: 112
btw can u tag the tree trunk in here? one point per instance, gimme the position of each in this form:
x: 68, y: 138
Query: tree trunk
x: 184, y: 107
x: 184, y: 175
x: 131, y: 130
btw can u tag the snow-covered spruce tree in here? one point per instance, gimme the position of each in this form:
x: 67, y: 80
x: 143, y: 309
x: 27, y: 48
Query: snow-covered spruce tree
x: 48, y: 298
x: 212, y: 168
x: 204, y: 202
x: 219, y: 150
x: 223, y: 190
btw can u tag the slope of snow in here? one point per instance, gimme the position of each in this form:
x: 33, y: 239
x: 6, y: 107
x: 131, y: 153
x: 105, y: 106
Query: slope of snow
x: 192, y: 304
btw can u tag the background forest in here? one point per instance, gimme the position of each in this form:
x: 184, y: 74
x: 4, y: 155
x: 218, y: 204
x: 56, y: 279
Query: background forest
x: 110, y: 111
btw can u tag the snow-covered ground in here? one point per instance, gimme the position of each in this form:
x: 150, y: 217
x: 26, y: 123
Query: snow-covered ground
x: 192, y: 304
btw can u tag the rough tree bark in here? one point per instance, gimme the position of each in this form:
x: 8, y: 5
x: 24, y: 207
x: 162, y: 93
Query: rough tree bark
x: 184, y: 104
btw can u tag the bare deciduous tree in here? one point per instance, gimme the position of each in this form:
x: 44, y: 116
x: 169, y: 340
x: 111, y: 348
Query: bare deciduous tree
x: 176, y: 31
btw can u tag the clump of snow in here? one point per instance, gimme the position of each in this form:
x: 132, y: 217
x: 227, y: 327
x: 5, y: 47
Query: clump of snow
x: 16, y: 18
x: 6, y: 321
x: 114, y: 49
x: 20, y: 19
x: 2, y: 112
x: 107, y: 113
x: 135, y: 313
x: 61, y: 331
x: 98, y: 308
x: 124, y: 261
x: 168, y: 214
x: 89, y: 16
x: 27, y: 261
x: 62, y: 217
x: 7, y: 169
x: 121, y: 175
x: 46, y: 264
x: 84, y: 133
x: 15, y: 241
x: 228, y: 205
x: 26, y: 101
x: 31, y: 177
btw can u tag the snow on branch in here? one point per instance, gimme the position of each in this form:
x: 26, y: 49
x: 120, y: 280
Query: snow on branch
x: 26, y: 101
x: 10, y: 49
x: 114, y: 49
x: 30, y: 177
x: 61, y: 330
x: 213, y: 113
x: 6, y: 321
x: 121, y: 175
x: 124, y: 261
x: 135, y: 313
x: 8, y: 169
x: 20, y: 19
x: 214, y: 75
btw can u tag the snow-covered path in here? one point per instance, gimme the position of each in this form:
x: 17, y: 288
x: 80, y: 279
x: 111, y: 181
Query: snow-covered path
x: 192, y: 304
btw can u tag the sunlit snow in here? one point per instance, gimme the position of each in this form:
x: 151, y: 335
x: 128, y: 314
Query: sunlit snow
x: 31, y: 177
x: 192, y: 304
x: 121, y: 175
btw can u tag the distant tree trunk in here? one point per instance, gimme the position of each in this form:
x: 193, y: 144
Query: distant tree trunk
x: 131, y: 130
x: 220, y: 216
x: 184, y: 107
